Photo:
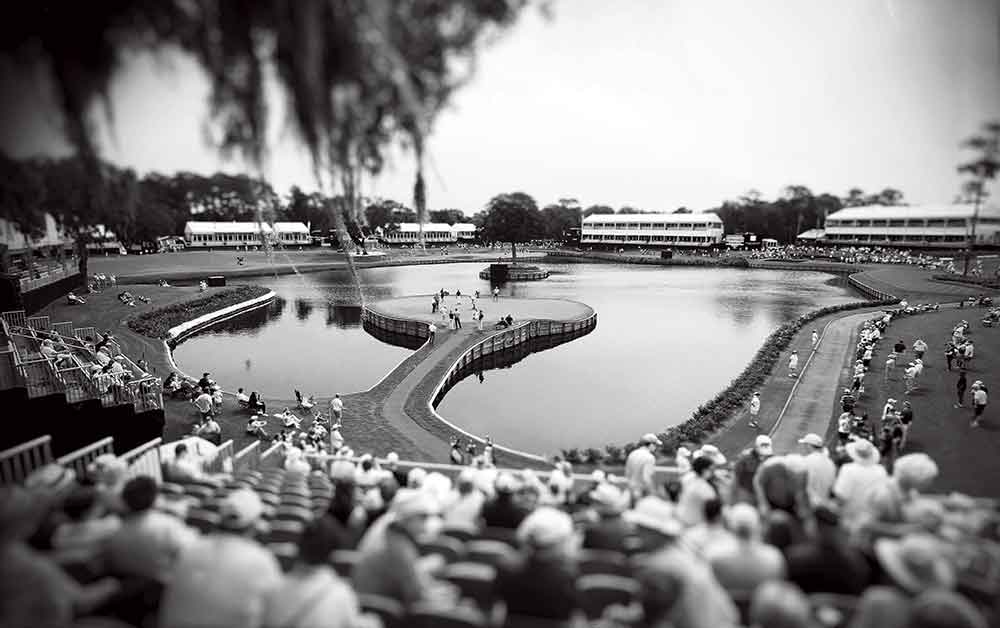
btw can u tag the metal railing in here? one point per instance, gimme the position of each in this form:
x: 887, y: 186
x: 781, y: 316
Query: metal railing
x: 45, y: 277
x: 18, y: 462
x: 40, y: 378
x: 85, y: 332
x: 77, y: 383
x: 64, y: 329
x: 222, y: 460
x: 869, y: 291
x: 38, y: 323
x: 146, y: 393
x: 9, y: 377
x: 247, y: 458
x: 80, y: 459
x: 14, y: 318
x: 271, y: 458
x: 144, y: 460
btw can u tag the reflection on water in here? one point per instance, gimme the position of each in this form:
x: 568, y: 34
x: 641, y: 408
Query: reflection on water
x: 667, y: 340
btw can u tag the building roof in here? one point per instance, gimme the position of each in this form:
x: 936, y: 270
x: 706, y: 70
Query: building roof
x: 625, y: 218
x: 412, y: 227
x: 463, y: 227
x: 812, y: 234
x: 883, y: 212
x: 197, y: 227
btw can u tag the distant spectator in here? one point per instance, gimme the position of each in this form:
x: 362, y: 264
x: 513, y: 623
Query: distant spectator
x: 695, y: 491
x: 640, y: 463
x: 857, y: 477
x: 821, y: 472
x: 224, y: 577
x: 502, y: 511
x: 746, y: 467
x: 149, y: 542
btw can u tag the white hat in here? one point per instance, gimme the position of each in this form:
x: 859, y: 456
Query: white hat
x: 607, y: 499
x: 917, y: 469
x: 763, y: 442
x: 240, y: 509
x: 410, y: 503
x: 651, y: 439
x: 743, y: 518
x: 415, y: 477
x: 862, y: 451
x: 712, y: 452
x: 915, y: 562
x: 505, y: 483
x: 814, y: 440
x: 392, y: 457
x: 598, y: 475
x: 655, y: 514
x: 545, y: 527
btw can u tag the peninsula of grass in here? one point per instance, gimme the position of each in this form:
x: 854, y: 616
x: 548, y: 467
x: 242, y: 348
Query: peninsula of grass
x: 157, y: 323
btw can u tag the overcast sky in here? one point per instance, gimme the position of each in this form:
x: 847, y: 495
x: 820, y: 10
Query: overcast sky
x: 656, y: 104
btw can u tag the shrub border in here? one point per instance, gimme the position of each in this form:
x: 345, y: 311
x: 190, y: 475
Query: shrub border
x: 158, y: 323
x: 716, y: 412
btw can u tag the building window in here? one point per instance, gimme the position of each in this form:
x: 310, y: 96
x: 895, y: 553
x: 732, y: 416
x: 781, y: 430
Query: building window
x: 864, y: 223
x: 897, y: 223
x: 879, y: 223
x: 956, y: 222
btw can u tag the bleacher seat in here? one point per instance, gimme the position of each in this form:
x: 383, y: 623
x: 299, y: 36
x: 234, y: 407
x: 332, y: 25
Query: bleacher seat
x: 603, y: 561
x: 296, y: 500
x: 599, y: 591
x: 459, y: 617
x: 386, y: 609
x: 343, y: 562
x: 495, y: 553
x: 293, y: 512
x: 203, y: 520
x: 448, y: 548
x: 285, y: 531
x: 475, y: 581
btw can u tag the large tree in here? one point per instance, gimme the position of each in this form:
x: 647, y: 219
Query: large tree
x: 513, y: 218
x: 980, y: 170
x: 598, y: 209
x: 559, y: 219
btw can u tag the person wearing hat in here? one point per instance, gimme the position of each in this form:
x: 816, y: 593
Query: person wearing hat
x: 640, y: 463
x: 610, y: 530
x: 388, y: 556
x: 742, y: 566
x: 815, y: 339
x: 541, y: 581
x: 746, y: 467
x: 915, y: 563
x: 754, y: 410
x: 391, y: 468
x: 979, y: 400
x: 793, y: 364
x: 703, y: 603
x: 858, y: 476
x: 827, y: 562
x: 905, y: 422
x: 223, y: 578
x: 820, y: 469
x: 34, y: 590
x: 503, y: 511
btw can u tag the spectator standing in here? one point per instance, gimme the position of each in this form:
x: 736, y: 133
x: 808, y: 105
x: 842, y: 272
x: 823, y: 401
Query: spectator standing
x: 639, y: 465
x: 857, y: 477
x: 224, y: 577
x: 820, y: 469
x: 905, y: 421
x: 337, y: 408
x: 746, y: 467
x: 743, y: 566
x: 696, y: 490
x: 968, y: 354
x: 919, y: 347
x: 815, y: 339
x: 754, y: 410
x: 960, y: 386
x: 204, y: 404
x: 431, y: 332
x: 899, y: 347
x: 793, y: 364
x: 979, y: 401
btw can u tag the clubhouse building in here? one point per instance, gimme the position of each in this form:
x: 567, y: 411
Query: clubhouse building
x: 701, y: 230
x: 434, y: 233
x: 203, y: 235
x: 928, y: 226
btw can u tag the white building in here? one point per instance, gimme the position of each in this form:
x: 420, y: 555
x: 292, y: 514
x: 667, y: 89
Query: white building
x: 222, y: 234
x: 667, y: 230
x: 937, y: 226
x: 434, y: 233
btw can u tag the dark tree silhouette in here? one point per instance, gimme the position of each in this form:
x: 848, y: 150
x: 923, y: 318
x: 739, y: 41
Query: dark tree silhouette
x: 981, y: 169
x: 512, y: 218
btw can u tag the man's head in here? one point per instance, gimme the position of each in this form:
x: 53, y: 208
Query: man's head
x: 180, y: 450
x: 139, y: 494
x: 702, y: 466
x: 763, y: 446
x: 412, y: 511
x: 914, y: 471
x: 392, y: 461
x: 811, y: 442
x: 239, y: 511
x: 650, y: 441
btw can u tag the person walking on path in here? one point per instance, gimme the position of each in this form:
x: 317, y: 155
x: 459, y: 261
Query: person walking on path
x: 899, y: 347
x: 960, y: 387
x: 496, y: 294
x: 458, y: 318
x: 949, y: 353
x: 970, y: 352
x: 336, y: 408
x: 431, y: 331
x: 480, y: 316
x: 754, y: 410
x: 793, y: 364
x: 909, y: 377
x: 890, y: 366
x: 815, y: 339
x: 919, y: 347
x: 905, y: 420
x: 979, y: 401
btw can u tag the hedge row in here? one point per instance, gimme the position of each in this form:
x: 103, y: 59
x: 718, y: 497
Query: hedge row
x: 716, y: 413
x: 728, y: 261
x: 157, y: 323
x: 983, y: 282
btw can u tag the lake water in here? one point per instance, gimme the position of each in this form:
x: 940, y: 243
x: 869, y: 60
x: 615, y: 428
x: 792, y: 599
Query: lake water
x: 667, y: 339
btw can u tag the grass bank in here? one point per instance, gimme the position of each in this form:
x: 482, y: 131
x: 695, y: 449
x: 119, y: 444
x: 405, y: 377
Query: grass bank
x: 156, y: 323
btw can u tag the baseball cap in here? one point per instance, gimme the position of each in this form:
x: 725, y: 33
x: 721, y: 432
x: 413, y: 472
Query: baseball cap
x: 814, y: 440
x: 650, y: 438
x: 392, y: 457
x: 545, y: 527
